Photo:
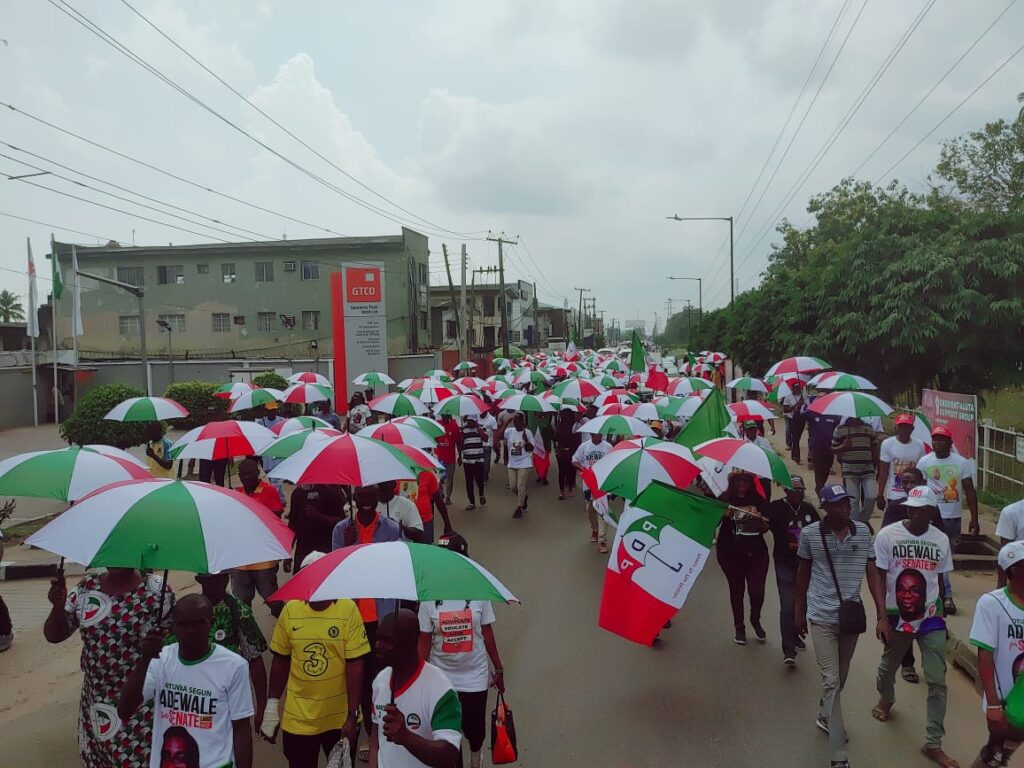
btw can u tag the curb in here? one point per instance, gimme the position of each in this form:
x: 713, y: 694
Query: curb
x: 11, y: 571
x: 965, y: 657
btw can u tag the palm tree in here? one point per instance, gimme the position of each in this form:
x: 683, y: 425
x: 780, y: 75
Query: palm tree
x: 11, y: 310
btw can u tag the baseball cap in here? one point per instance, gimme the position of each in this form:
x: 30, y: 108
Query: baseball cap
x: 905, y: 418
x: 749, y: 423
x: 1011, y: 554
x: 832, y: 493
x: 456, y: 542
x: 311, y: 558
x: 271, y: 406
x: 921, y: 496
x: 942, y: 431
x: 797, y: 483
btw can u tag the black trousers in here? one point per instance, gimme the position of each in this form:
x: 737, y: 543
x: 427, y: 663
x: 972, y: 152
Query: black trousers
x: 474, y: 480
x: 5, y: 619
x: 474, y: 718
x: 566, y: 471
x: 745, y: 565
x: 371, y: 667
x: 303, y: 751
x: 821, y: 460
x: 212, y: 469
x: 796, y: 432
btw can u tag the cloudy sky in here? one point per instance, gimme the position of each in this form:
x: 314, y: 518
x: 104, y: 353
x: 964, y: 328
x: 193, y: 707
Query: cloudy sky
x: 578, y: 125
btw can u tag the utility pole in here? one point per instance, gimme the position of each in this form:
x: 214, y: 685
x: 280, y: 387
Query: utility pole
x: 464, y: 342
x: 451, y: 292
x: 732, y: 262
x: 500, y: 240
x: 579, y: 317
x: 700, y: 298
x: 472, y: 316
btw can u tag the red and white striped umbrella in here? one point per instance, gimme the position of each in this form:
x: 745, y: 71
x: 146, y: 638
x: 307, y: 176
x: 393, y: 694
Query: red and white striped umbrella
x: 306, y: 393
x: 634, y: 464
x: 471, y: 383
x: 750, y: 410
x: 462, y: 405
x: 798, y: 364
x: 431, y: 391
x: 308, y: 377
x: 297, y: 424
x: 223, y: 440
x: 255, y: 398
x: 347, y: 460
x: 578, y: 389
x: 398, y: 434
x: 687, y: 385
x: 398, y: 404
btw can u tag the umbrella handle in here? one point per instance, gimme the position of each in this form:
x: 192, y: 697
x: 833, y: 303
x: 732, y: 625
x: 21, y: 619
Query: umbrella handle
x: 160, y: 605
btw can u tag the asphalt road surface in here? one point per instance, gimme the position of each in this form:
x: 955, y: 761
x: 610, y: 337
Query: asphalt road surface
x: 581, y: 696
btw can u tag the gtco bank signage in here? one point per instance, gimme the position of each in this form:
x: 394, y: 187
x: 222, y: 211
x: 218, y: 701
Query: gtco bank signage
x: 366, y: 320
x: 363, y: 285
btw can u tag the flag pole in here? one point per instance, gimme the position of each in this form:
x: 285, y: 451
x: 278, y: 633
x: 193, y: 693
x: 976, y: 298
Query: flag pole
x: 34, y: 331
x: 53, y: 329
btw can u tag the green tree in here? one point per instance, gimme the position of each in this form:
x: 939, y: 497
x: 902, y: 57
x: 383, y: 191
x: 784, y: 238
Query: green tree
x: 197, y: 397
x: 271, y: 380
x: 86, y: 426
x: 11, y: 310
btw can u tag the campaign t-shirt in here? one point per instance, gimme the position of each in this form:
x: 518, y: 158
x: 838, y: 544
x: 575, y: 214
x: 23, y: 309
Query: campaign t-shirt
x: 900, y: 457
x: 588, y: 454
x: 490, y: 426
x: 445, y: 448
x: 402, y: 511
x: 420, y: 492
x: 318, y: 644
x: 358, y: 417
x: 1011, y: 522
x: 431, y: 708
x: 195, y: 703
x: 912, y: 565
x: 457, y: 643
x: 519, y: 456
x: 999, y: 627
x: 267, y: 495
x: 945, y: 477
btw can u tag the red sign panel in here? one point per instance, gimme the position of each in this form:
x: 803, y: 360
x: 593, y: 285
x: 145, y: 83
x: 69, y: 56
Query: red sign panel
x: 957, y: 412
x: 362, y: 285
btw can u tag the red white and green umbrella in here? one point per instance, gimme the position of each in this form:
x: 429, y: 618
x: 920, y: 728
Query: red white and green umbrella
x: 614, y: 364
x: 146, y: 409
x: 748, y: 384
x: 405, y: 384
x: 751, y: 410
x: 309, y: 377
x: 614, y: 396
x: 527, y: 403
x: 373, y: 379
x: 634, y: 464
x: 420, y: 458
x: 565, y: 370
x: 731, y: 453
x: 431, y: 391
x: 850, y: 404
x: 462, y: 405
x: 798, y: 364
x: 117, y: 453
x: 223, y: 440
x: 398, y: 434
x: 465, y: 366
x: 347, y: 460
x: 166, y: 525
x: 290, y: 444
x: 233, y: 389
x: 306, y: 393
x: 398, y: 404
x: 502, y: 363
x: 526, y: 376
x: 431, y: 427
x: 255, y: 398
x: 671, y: 407
x: 67, y: 474
x: 617, y: 425
x: 687, y: 385
x: 470, y: 383
x: 438, y: 375
x: 578, y: 389
x: 714, y: 357
x: 299, y: 423
x: 841, y: 381
x: 396, y: 570
x: 642, y: 411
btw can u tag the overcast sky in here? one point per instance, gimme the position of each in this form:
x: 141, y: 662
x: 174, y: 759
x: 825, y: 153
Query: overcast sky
x: 578, y: 125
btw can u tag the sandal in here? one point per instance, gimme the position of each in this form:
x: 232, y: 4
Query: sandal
x: 910, y: 675
x: 364, y: 753
x: 940, y: 757
x: 881, y: 712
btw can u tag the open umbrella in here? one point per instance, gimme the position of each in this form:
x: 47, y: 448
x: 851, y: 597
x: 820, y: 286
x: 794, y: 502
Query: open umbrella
x: 373, y: 379
x: 431, y: 427
x: 255, y: 398
x: 166, y: 524
x: 309, y: 377
x: 398, y: 404
x: 732, y: 453
x: 462, y: 405
x: 687, y: 385
x: 306, y: 393
x: 614, y: 396
x: 117, y: 453
x: 748, y: 384
x: 465, y: 366
x: 470, y: 383
x: 223, y: 440
x: 577, y: 389
x: 527, y: 403
x: 347, y: 460
x: 396, y: 570
x: 642, y: 411
x: 232, y: 389
x: 67, y: 474
x: 841, y: 381
x: 502, y: 363
x: 750, y: 409
x: 299, y: 423
x: 431, y: 391
x: 850, y: 404
x: 438, y: 375
x: 798, y: 364
x: 398, y: 434
x: 513, y: 352
x: 526, y: 376
x: 146, y: 409
x: 634, y: 464
x: 670, y: 407
x: 617, y: 425
x: 613, y: 365
x: 290, y: 444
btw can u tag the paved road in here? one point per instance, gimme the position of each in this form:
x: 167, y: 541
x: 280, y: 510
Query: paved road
x: 581, y: 696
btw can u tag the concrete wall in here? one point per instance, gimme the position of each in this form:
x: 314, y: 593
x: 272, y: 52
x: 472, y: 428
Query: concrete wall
x: 16, y: 407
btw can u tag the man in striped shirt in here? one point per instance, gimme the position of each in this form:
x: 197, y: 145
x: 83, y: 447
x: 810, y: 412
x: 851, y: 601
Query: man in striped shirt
x: 473, y: 456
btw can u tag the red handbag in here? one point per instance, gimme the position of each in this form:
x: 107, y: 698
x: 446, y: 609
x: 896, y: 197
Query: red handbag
x: 503, y: 734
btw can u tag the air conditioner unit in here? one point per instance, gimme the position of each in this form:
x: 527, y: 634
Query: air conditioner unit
x: 289, y: 266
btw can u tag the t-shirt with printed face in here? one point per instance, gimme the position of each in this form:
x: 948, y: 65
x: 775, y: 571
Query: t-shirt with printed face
x: 945, y: 477
x: 195, y: 703
x: 319, y: 643
x: 431, y: 708
x: 899, y: 456
x: 519, y: 455
x: 358, y: 417
x: 589, y: 453
x: 912, y: 564
x: 999, y: 628
x: 457, y: 643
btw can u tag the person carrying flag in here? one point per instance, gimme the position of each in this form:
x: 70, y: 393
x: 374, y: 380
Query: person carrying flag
x: 587, y: 455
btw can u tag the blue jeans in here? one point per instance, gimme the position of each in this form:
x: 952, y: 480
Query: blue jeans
x: 952, y: 527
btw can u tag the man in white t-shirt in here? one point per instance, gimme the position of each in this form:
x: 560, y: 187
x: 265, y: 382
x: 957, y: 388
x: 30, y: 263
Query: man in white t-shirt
x: 519, y: 460
x: 489, y: 425
x: 202, y: 703
x: 400, y: 509
x: 416, y: 712
x: 896, y: 454
x: 910, y: 555
x: 1010, y: 528
x: 951, y: 478
x: 587, y: 455
x: 997, y: 632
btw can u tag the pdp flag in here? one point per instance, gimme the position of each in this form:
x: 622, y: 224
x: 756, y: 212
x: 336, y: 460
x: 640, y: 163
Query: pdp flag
x: 32, y: 326
x: 541, y: 459
x: 661, y: 545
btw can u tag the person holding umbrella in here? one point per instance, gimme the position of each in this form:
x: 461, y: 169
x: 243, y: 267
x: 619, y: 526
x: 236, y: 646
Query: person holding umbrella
x: 742, y: 553
x: 519, y: 460
x: 457, y: 637
x: 112, y: 611
x: 247, y: 580
x: 567, y: 440
x: 314, y: 512
x: 472, y: 455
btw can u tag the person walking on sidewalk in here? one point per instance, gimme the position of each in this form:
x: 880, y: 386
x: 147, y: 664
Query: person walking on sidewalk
x: 794, y: 408
x: 567, y: 440
x: 446, y: 451
x: 519, y: 453
x: 1010, y: 527
x: 742, y: 552
x: 896, y: 454
x: 472, y: 455
x: 247, y: 580
x: 854, y: 443
x: 835, y: 556
x: 910, y: 555
x: 587, y: 455
x: 820, y: 428
x: 786, y: 518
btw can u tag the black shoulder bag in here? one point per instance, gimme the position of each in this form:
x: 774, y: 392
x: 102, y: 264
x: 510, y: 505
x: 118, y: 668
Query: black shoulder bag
x: 852, y: 618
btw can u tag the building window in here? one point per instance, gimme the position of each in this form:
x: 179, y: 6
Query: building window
x: 310, y: 270
x: 264, y: 271
x: 238, y: 319
x: 221, y: 322
x: 423, y: 319
x: 202, y: 269
x: 516, y: 337
x: 265, y: 321
x: 424, y: 274
x: 177, y: 322
x: 488, y: 306
x: 128, y: 325
x: 172, y: 275
x: 228, y: 272
x: 450, y: 333
x: 310, y: 319
x: 131, y: 275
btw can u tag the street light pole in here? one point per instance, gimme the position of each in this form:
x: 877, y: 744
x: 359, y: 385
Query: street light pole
x: 139, y: 292
x: 732, y: 274
x: 700, y: 298
x: 170, y: 349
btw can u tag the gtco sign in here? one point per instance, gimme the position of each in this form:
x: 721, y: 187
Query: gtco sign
x: 362, y: 284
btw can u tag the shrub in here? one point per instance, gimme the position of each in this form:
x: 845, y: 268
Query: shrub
x: 197, y: 397
x: 270, y: 379
x: 86, y: 426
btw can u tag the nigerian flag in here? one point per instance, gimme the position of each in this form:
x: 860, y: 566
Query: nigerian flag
x: 58, y: 284
x: 638, y: 357
x: 661, y: 545
x: 708, y: 421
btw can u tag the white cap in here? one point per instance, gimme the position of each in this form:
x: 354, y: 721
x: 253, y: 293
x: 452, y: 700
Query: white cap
x: 1011, y: 554
x: 311, y: 558
x: 921, y: 496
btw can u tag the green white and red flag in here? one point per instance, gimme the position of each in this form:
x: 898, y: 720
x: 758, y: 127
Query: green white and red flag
x: 661, y: 544
x: 541, y: 458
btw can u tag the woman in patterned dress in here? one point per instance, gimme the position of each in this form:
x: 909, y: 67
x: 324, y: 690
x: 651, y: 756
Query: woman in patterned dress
x: 113, y: 611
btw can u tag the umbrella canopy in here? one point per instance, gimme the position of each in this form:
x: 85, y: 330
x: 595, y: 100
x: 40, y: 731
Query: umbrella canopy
x: 465, y: 366
x: 578, y: 389
x: 255, y: 398
x: 850, y: 404
x: 347, y: 460
x: 290, y: 444
x: 404, y: 384
x: 614, y: 396
x: 617, y: 425
x: 671, y: 407
x: 606, y: 381
x: 527, y: 403
x: 614, y: 365
x: 373, y: 379
x: 471, y: 383
x: 398, y: 404
x: 750, y: 409
x: 749, y: 384
x: 642, y: 411
x: 309, y: 377
x: 223, y: 440
x: 429, y: 426
x: 732, y: 453
x: 526, y: 376
x: 714, y: 357
x: 438, y: 375
x: 502, y: 362
x: 394, y: 570
x: 166, y: 524
x: 687, y: 385
x: 398, y: 434
x: 513, y: 352
x: 232, y: 389
x: 67, y: 474
x: 798, y: 364
x: 431, y: 391
x: 841, y: 381
x: 146, y: 409
x: 117, y: 453
x: 634, y: 464
x: 306, y: 393
x: 299, y: 423
x: 462, y: 405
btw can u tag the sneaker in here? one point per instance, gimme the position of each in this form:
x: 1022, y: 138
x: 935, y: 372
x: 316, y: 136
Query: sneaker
x: 470, y: 506
x: 561, y: 496
x: 950, y: 606
x: 759, y: 631
x: 474, y: 759
x: 6, y: 640
x: 483, y: 501
x: 822, y: 723
x: 518, y: 513
x: 741, y: 637
x: 789, y: 659
x: 572, y: 493
x: 593, y: 537
x: 800, y: 644
x: 602, y: 547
